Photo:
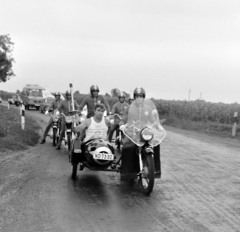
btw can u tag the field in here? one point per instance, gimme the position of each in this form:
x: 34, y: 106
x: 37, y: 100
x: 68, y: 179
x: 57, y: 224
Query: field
x: 12, y: 137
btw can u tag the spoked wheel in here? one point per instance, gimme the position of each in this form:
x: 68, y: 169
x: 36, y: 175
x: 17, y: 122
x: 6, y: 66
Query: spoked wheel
x: 69, y: 139
x: 54, y: 136
x: 59, y: 130
x: 74, y: 170
x: 147, y: 175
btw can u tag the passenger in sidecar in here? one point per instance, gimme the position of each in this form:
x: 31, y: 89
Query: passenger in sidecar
x: 93, y: 135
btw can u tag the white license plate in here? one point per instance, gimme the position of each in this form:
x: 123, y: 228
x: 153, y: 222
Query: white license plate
x: 103, y: 156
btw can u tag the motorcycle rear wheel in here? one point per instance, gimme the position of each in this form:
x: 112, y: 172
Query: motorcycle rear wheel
x: 54, y: 137
x: 74, y: 170
x: 147, y: 176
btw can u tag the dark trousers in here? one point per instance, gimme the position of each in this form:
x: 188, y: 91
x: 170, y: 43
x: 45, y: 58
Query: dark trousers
x: 130, y: 162
x: 47, y: 128
x: 113, y: 128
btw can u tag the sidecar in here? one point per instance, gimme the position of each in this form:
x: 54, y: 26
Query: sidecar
x: 95, y: 154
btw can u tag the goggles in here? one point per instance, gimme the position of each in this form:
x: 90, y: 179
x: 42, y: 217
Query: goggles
x: 139, y: 95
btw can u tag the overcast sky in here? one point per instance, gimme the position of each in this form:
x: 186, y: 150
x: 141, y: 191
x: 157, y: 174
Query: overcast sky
x: 165, y: 46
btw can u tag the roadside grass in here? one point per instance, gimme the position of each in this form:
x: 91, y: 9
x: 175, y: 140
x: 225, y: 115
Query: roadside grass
x: 219, y: 129
x: 12, y: 137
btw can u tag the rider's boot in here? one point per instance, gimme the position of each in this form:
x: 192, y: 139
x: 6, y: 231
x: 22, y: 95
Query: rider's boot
x: 42, y: 141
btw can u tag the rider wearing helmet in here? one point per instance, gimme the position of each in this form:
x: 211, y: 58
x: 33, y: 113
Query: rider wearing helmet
x: 91, y: 100
x: 53, y: 106
x: 129, y: 158
x: 130, y: 100
x: 118, y: 108
x: 65, y: 107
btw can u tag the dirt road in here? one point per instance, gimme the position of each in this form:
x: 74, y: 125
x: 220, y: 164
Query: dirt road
x: 199, y: 190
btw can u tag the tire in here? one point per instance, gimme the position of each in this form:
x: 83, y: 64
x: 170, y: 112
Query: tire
x: 57, y: 135
x: 74, y: 170
x: 147, y: 175
x: 54, y: 137
x: 37, y: 107
x: 69, y: 139
x: 58, y: 130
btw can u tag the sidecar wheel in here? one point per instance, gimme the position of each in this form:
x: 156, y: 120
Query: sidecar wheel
x: 74, y: 170
x: 147, y: 175
x: 54, y: 136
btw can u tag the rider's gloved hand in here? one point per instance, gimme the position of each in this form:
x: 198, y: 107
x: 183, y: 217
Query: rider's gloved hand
x: 112, y: 121
x: 122, y: 127
x: 46, y: 112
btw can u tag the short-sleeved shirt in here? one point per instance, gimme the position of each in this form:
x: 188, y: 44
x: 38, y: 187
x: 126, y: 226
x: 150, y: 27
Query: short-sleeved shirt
x: 91, y: 101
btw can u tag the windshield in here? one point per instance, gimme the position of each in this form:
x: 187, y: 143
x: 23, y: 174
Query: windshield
x: 142, y: 116
x: 33, y: 92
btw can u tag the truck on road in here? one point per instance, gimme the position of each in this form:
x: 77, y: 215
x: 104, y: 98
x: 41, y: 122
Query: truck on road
x: 32, y: 96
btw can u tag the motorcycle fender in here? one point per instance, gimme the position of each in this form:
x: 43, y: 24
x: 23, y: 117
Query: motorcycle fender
x: 68, y: 130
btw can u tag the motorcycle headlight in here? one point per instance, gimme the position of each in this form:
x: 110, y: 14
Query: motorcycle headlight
x: 147, y: 134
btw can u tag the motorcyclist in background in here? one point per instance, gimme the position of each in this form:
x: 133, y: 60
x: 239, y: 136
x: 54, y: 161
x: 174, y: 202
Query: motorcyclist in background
x: 129, y: 157
x: 92, y: 99
x: 118, y: 108
x: 130, y: 100
x: 53, y: 106
x: 64, y: 107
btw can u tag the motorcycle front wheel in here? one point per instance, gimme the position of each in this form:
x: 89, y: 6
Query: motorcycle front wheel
x: 74, y: 170
x: 147, y: 175
x: 54, y: 137
x: 69, y: 139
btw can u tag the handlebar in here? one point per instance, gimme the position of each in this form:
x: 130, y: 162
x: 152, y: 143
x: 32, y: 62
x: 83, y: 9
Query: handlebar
x: 118, y: 115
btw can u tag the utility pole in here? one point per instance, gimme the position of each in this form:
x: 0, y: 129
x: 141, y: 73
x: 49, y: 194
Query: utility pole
x: 200, y: 96
x: 189, y: 94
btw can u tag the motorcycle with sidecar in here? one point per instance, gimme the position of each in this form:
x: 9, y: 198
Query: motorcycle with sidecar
x: 99, y: 155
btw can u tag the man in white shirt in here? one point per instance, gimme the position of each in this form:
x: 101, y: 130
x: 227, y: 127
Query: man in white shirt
x: 96, y: 126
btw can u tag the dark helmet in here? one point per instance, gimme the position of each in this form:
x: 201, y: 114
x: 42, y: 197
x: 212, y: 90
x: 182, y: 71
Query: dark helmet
x: 130, y: 100
x: 94, y: 87
x: 121, y: 94
x: 57, y: 94
x: 139, y: 90
x: 68, y: 93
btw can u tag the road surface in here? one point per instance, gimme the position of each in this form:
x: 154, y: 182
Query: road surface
x: 199, y: 190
